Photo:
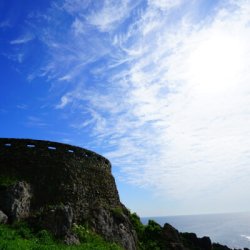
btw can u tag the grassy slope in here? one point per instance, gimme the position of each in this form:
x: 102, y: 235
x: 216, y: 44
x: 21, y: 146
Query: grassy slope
x: 20, y: 237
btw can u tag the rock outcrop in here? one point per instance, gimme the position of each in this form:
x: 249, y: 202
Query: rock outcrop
x: 154, y: 236
x: 15, y: 200
x: 3, y: 217
x: 57, y: 220
x: 56, y: 185
x: 115, y: 225
x: 192, y: 241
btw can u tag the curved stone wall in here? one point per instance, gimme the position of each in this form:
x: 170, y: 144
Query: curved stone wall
x: 59, y: 173
x: 16, y: 148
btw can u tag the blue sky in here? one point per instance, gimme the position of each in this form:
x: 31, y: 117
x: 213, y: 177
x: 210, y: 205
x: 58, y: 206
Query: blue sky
x: 159, y: 87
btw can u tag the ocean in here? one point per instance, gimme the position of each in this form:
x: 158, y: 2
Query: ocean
x: 232, y: 229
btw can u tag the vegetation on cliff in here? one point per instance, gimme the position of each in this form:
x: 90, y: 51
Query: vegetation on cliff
x: 21, y: 237
x: 155, y: 237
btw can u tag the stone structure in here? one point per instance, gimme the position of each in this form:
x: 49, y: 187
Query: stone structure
x: 15, y: 201
x: 64, y: 175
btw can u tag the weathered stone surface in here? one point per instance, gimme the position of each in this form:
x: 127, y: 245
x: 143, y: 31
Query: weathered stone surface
x: 15, y: 200
x: 170, y: 233
x: 115, y: 227
x: 3, y: 218
x: 71, y: 239
x: 217, y: 246
x: 192, y: 241
x: 60, y: 174
x: 205, y: 243
x: 58, y: 220
x: 171, y: 238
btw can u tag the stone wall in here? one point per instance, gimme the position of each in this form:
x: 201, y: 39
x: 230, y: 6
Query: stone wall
x: 60, y: 173
x: 37, y: 149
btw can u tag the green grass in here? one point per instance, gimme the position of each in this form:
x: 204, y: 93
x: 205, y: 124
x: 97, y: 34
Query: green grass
x: 21, y: 237
x: 117, y: 212
x: 6, y: 181
x: 149, y: 235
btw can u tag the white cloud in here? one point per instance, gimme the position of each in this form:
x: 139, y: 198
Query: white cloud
x: 168, y: 102
x: 78, y: 27
x: 65, y: 100
x: 18, y: 57
x: 22, y: 106
x: 33, y: 121
x: 165, y: 4
x: 188, y: 127
x: 75, y: 6
x: 22, y: 39
x: 110, y: 14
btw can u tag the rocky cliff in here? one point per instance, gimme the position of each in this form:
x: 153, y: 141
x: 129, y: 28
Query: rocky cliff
x: 57, y: 185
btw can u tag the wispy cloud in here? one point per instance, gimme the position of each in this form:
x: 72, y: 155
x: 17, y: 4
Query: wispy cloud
x: 5, y: 24
x: 33, y: 121
x: 193, y: 82
x: 110, y: 14
x: 65, y: 100
x: 168, y: 102
x: 22, y: 39
x: 196, y: 119
x: 76, y: 6
x: 165, y: 4
x: 22, y: 106
x: 17, y: 57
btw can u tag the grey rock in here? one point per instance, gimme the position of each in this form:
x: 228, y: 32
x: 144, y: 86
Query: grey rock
x: 205, y: 243
x: 191, y: 239
x: 171, y: 238
x: 15, y: 201
x: 58, y: 220
x: 71, y: 239
x: 114, y: 228
x: 170, y: 233
x: 3, y: 218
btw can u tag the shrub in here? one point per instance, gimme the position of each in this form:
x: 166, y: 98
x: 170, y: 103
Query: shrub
x: 6, y: 181
x: 82, y: 232
x: 150, y: 235
x: 117, y: 212
x: 138, y: 226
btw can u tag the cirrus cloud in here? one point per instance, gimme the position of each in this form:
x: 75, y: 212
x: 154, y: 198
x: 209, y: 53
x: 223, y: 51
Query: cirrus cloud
x: 166, y: 99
